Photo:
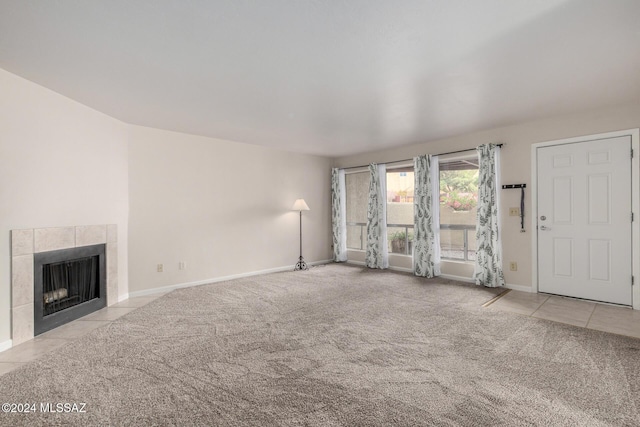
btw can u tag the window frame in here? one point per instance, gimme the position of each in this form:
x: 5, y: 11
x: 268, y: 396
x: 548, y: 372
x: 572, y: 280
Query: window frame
x: 472, y: 158
x: 363, y: 232
x: 408, y: 247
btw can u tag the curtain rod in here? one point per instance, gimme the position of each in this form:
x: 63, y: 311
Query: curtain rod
x: 406, y: 160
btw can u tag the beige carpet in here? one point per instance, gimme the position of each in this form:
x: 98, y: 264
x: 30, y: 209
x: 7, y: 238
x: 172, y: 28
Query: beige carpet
x: 334, y: 346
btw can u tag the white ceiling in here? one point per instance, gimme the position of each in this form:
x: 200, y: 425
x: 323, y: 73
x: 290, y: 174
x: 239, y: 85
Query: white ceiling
x: 332, y: 77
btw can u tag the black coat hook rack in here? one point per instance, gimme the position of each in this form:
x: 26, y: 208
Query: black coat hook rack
x: 521, y: 187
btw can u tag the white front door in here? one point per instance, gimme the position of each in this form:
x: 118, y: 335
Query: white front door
x: 584, y: 219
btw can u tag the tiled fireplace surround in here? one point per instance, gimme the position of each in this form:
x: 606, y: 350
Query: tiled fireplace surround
x: 26, y: 242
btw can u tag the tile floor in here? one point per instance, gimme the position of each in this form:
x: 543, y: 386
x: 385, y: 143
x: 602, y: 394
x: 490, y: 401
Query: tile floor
x: 40, y: 345
x: 601, y: 317
x: 587, y: 314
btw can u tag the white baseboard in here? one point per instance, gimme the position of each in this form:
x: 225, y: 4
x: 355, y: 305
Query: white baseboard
x: 522, y: 288
x: 6, y: 345
x: 458, y: 278
x: 168, y: 288
x: 145, y: 292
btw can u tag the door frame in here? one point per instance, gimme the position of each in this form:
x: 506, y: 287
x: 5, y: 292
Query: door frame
x: 635, y: 203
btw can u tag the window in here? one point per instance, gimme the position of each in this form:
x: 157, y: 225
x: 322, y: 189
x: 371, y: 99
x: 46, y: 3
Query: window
x: 357, y: 198
x: 400, y: 184
x: 458, y: 200
x: 399, y: 209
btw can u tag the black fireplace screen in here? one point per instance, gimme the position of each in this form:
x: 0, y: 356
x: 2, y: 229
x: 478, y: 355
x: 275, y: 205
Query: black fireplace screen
x: 69, y: 283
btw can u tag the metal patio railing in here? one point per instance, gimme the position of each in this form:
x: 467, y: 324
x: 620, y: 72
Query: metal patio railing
x: 447, y: 250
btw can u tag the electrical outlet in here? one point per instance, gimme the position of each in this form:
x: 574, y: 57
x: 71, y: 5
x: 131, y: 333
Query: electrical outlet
x: 160, y: 268
x: 514, y: 211
x: 182, y: 265
x: 513, y: 266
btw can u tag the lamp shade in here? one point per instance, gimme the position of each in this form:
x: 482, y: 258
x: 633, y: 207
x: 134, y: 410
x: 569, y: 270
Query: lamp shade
x: 300, y: 205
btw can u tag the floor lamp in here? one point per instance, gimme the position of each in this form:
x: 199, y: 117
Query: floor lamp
x: 300, y: 205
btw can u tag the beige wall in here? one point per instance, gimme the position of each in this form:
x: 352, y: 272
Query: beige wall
x: 221, y: 207
x: 61, y: 163
x: 516, y: 169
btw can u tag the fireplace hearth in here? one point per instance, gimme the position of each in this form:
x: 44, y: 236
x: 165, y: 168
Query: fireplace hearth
x: 68, y: 284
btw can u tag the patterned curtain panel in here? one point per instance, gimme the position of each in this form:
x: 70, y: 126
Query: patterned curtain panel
x: 339, y: 215
x: 488, y: 268
x: 426, y: 217
x: 377, y: 255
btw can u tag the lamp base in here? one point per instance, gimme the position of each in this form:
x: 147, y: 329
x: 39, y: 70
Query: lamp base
x: 301, y: 265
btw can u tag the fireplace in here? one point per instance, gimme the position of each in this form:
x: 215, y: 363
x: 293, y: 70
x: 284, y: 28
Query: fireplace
x: 27, y: 243
x: 68, y: 284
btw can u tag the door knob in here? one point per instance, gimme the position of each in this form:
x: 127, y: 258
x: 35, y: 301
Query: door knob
x: 544, y: 227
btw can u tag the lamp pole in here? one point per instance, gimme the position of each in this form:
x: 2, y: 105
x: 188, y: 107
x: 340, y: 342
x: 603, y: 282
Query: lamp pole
x: 301, y: 265
x: 300, y: 205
